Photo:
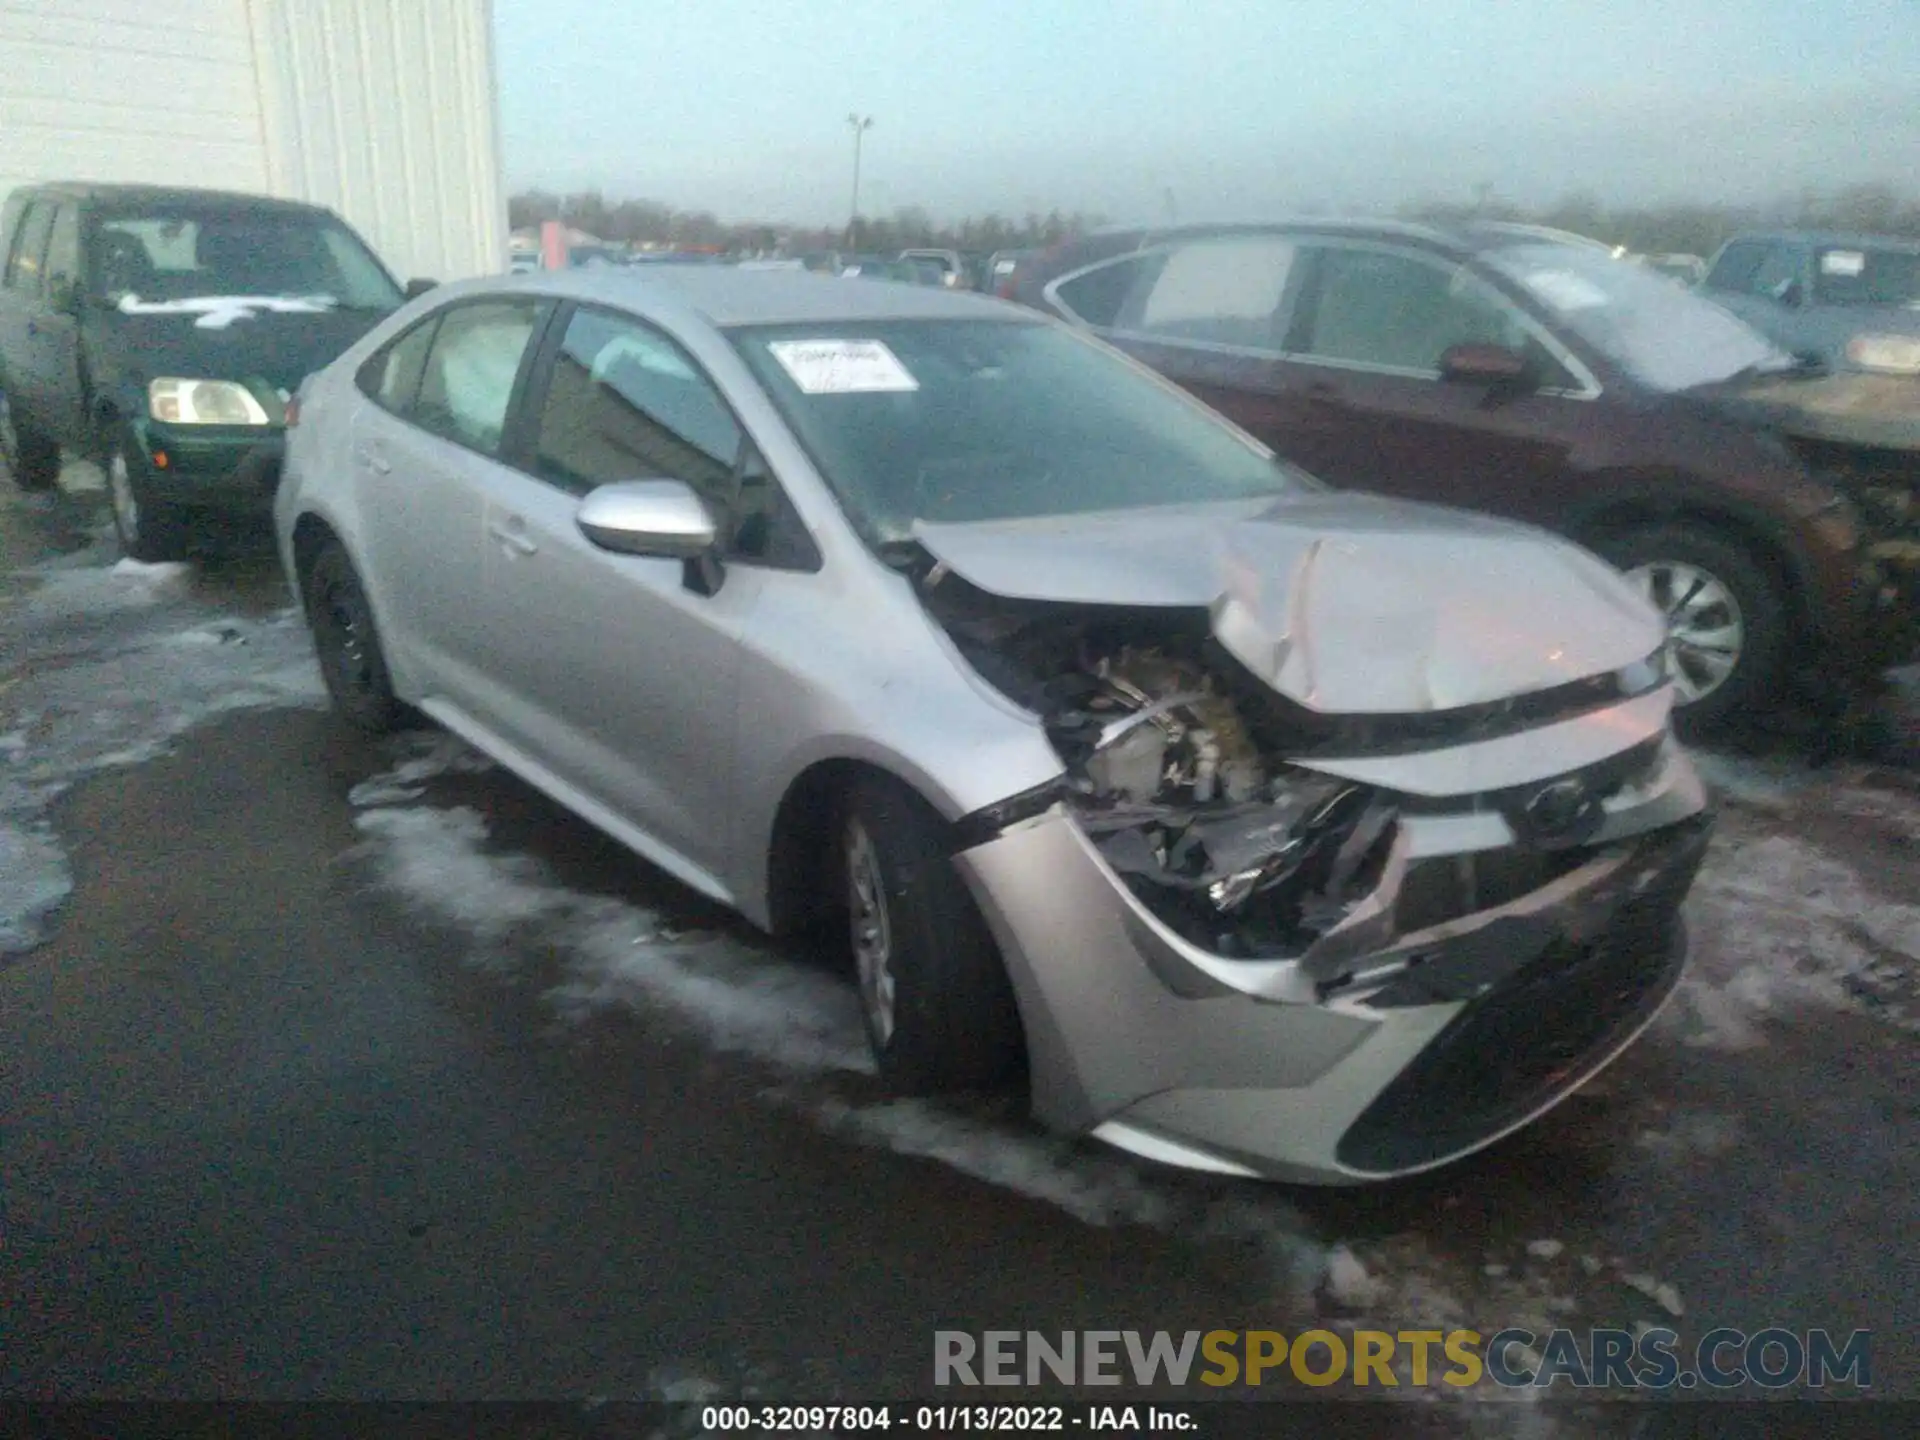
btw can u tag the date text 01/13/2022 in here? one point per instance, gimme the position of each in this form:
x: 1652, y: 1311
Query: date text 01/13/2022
x: 943, y: 1419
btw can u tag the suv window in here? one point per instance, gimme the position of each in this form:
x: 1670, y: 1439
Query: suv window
x: 1223, y: 292
x: 626, y: 403
x: 1737, y: 264
x: 392, y: 377
x: 1097, y: 297
x: 1867, y: 277
x: 63, y: 251
x: 471, y: 367
x: 29, y: 248
x: 1383, y: 307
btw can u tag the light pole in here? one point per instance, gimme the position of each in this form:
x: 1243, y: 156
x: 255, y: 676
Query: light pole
x: 860, y: 125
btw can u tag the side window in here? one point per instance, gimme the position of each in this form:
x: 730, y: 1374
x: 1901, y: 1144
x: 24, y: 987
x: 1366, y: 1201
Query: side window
x: 626, y: 403
x: 63, y: 252
x: 1382, y: 307
x: 29, y: 249
x: 1736, y: 265
x: 470, y: 371
x: 1224, y: 292
x: 392, y: 377
x: 1097, y: 296
x: 1779, y: 272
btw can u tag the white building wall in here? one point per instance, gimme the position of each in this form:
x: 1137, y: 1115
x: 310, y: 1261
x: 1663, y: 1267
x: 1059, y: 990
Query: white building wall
x: 382, y: 110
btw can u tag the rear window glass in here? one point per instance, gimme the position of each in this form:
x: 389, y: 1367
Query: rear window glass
x: 1847, y: 276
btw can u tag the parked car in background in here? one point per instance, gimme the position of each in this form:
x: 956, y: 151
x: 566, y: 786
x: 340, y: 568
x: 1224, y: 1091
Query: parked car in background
x: 1258, y: 829
x: 1001, y: 267
x: 1852, y: 300
x: 1687, y: 269
x: 881, y: 267
x: 952, y: 265
x: 1533, y: 377
x: 161, y: 332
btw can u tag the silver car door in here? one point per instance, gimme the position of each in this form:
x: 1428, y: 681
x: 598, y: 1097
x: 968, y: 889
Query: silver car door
x: 423, y: 441
x: 618, y: 672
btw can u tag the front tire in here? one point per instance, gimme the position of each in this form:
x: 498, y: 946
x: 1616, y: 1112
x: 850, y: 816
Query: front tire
x: 1726, y: 621
x: 939, y: 1009
x: 347, y: 643
x: 32, y: 460
x: 149, y: 531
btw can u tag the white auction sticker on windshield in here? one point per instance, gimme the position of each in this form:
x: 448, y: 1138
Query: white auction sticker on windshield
x: 1842, y: 262
x: 1564, y: 290
x: 842, y: 367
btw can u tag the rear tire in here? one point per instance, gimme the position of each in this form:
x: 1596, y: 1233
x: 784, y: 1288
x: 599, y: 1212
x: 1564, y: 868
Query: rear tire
x: 347, y: 644
x: 939, y: 1009
x: 32, y: 460
x: 1721, y: 602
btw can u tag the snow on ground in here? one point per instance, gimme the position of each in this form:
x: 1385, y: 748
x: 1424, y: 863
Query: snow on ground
x: 76, y: 700
x: 1778, y: 923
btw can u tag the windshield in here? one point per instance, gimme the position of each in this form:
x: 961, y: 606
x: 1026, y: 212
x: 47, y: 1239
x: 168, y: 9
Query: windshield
x: 1662, y: 334
x: 1867, y: 277
x: 196, y: 254
x: 957, y: 420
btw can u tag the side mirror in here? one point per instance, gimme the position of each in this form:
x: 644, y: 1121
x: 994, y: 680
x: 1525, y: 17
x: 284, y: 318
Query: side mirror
x: 1477, y: 364
x: 662, y: 519
x: 417, y: 288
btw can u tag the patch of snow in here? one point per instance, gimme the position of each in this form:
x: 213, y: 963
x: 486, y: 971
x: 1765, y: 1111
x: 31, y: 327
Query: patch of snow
x: 82, y: 477
x: 1778, y: 923
x: 1544, y: 1249
x: 35, y: 879
x: 1658, y: 1291
x: 1348, y: 1282
x: 1695, y: 1132
x: 741, y: 998
x: 161, y: 572
x: 435, y: 754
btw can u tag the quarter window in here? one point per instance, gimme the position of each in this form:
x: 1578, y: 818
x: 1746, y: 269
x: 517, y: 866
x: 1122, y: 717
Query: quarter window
x: 471, y: 368
x: 626, y: 403
x: 63, y: 251
x: 1735, y: 267
x: 1381, y: 307
x: 1097, y: 296
x: 392, y: 377
x: 1223, y: 292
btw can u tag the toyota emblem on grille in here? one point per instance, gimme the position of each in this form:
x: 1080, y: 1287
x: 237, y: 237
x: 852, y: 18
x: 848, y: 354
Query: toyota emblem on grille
x: 1562, y: 813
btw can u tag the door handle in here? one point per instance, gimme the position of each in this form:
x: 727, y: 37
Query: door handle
x: 370, y: 458
x: 512, y: 536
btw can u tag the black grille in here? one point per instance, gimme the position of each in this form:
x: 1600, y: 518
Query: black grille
x: 1506, y: 1053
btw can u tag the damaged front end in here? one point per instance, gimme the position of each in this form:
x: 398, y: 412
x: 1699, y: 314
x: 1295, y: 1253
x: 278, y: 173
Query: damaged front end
x: 1219, y: 805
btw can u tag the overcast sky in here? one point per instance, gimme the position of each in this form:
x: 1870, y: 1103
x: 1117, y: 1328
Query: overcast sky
x: 1236, y: 107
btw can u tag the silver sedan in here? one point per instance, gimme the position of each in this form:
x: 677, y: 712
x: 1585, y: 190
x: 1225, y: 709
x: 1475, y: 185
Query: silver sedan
x: 1258, y: 829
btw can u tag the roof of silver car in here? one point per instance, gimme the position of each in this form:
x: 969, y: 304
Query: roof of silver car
x: 727, y: 296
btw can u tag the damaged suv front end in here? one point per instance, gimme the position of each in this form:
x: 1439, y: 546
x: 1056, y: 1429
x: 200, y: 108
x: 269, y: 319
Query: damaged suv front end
x: 1334, y: 886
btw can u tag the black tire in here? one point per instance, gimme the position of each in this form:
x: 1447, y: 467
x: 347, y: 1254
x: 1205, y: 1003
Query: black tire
x: 347, y: 644
x: 1755, y: 683
x: 955, y: 1024
x: 32, y: 460
x: 149, y: 530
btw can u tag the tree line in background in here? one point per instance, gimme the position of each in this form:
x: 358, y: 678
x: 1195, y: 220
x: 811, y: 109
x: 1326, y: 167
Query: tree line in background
x: 1696, y: 229
x: 649, y: 222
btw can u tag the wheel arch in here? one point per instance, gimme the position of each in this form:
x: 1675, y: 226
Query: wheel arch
x: 800, y: 848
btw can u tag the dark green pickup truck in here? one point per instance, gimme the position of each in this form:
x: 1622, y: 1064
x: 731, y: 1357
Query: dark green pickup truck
x: 161, y: 332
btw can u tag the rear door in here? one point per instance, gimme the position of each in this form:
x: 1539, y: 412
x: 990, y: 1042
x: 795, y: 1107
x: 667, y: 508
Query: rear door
x: 621, y: 672
x: 56, y: 349
x: 424, y: 446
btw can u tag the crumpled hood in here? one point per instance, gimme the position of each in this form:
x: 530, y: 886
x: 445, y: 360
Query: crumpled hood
x: 279, y: 349
x: 1347, y: 604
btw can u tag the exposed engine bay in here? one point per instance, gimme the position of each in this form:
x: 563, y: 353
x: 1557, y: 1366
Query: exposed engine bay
x: 1172, y: 753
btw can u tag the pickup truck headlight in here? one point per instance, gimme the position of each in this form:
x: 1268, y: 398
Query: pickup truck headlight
x: 204, y: 402
x: 1894, y: 354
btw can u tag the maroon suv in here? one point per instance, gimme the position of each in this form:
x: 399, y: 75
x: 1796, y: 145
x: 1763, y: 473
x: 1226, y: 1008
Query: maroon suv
x: 1533, y: 375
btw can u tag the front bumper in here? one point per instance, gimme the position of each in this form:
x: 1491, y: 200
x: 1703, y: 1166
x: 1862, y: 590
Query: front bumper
x: 210, y: 467
x: 1435, y: 1042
